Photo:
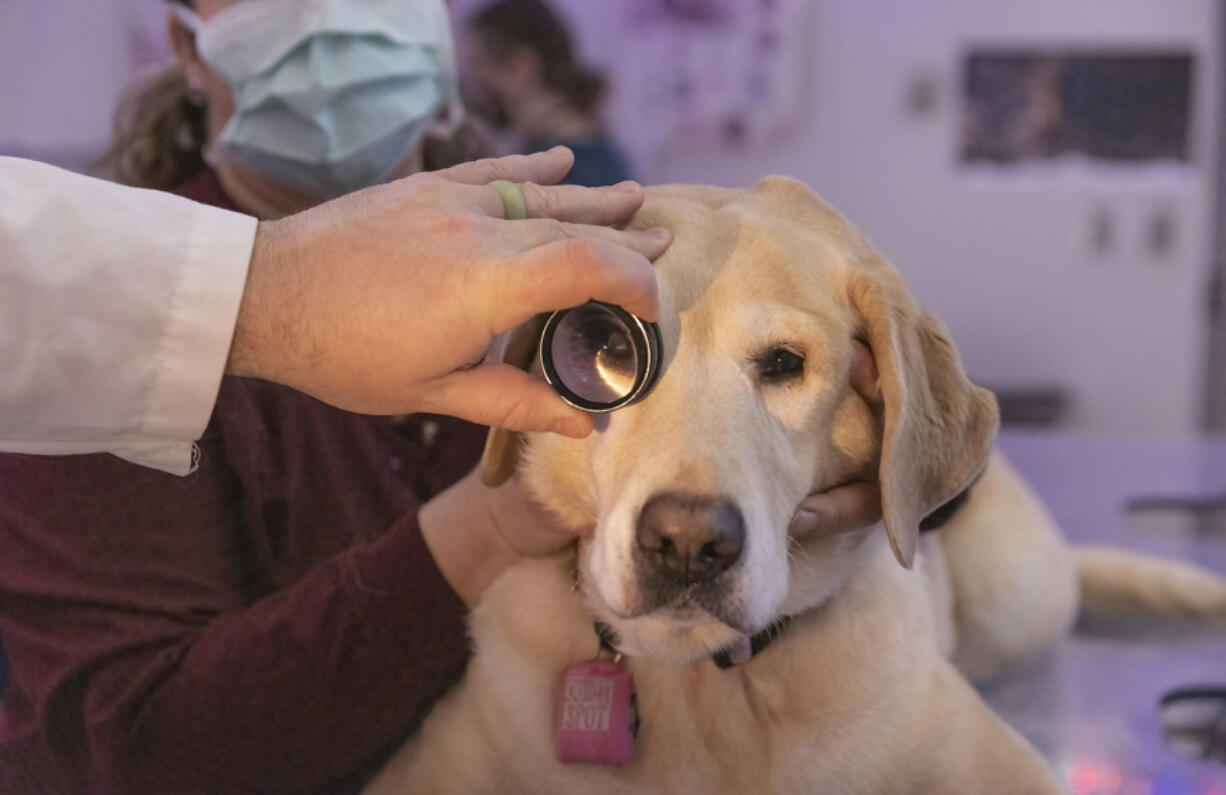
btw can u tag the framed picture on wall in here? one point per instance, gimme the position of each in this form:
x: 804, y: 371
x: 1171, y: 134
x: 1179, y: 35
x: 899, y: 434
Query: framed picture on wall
x: 1022, y: 105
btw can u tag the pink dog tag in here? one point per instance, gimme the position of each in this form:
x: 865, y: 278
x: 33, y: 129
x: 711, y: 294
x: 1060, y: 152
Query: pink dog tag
x: 596, y: 717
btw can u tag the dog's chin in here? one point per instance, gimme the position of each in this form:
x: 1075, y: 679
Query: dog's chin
x: 676, y: 636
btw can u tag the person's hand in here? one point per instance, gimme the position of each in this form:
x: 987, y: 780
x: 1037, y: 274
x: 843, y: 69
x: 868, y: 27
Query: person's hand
x: 475, y: 532
x: 387, y: 300
x: 853, y: 505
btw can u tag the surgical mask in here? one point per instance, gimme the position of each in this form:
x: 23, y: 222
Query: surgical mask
x: 330, y: 96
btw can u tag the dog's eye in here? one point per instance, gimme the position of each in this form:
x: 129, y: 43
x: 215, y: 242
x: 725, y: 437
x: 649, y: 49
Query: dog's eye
x: 780, y: 364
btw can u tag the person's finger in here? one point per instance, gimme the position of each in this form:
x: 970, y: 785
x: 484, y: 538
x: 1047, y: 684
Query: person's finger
x: 502, y: 396
x: 567, y: 273
x: 651, y: 243
x: 543, y: 168
x: 608, y: 206
x: 838, y: 510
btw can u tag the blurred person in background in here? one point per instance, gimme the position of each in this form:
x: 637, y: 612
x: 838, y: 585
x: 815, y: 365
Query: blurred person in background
x: 232, y: 120
x: 528, y: 83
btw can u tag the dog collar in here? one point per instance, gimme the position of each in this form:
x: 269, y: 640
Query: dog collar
x: 722, y: 658
x: 757, y: 643
x: 937, y: 519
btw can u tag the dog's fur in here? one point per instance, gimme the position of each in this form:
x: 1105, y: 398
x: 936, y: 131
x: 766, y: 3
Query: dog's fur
x: 866, y: 691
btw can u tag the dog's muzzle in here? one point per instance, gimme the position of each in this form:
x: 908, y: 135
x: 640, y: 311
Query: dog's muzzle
x: 689, y: 539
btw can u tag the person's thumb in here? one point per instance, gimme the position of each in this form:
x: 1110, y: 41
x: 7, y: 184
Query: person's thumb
x: 502, y: 396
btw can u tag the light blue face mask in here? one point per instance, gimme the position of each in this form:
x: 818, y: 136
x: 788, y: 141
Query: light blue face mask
x: 330, y: 96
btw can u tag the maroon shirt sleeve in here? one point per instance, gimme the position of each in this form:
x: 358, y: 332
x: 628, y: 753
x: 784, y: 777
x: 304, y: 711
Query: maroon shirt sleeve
x: 292, y: 693
x: 267, y: 624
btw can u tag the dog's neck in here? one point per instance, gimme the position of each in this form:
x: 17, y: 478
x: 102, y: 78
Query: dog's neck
x: 723, y: 658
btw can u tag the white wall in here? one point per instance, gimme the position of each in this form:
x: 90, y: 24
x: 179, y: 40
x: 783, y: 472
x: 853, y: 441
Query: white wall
x: 62, y: 68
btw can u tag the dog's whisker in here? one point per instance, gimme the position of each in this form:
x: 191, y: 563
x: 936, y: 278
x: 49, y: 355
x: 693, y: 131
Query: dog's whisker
x: 797, y: 553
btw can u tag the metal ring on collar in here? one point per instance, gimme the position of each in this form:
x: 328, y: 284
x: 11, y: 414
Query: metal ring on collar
x: 514, y: 208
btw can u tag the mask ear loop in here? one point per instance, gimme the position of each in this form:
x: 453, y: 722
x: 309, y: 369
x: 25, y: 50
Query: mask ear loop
x: 192, y: 21
x: 452, y: 118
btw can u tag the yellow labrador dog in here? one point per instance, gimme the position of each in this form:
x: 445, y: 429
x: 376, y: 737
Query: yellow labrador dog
x: 690, y: 493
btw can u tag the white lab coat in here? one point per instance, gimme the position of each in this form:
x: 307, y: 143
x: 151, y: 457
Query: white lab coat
x: 117, y: 306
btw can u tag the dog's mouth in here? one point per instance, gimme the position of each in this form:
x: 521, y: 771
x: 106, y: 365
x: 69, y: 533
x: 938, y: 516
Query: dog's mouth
x: 698, y: 602
x: 686, y: 614
x: 683, y: 608
x: 682, y: 633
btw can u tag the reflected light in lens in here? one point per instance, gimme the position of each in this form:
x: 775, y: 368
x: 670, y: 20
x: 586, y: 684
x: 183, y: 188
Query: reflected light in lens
x: 618, y: 380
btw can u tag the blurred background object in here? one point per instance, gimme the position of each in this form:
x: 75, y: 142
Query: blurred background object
x: 1035, y: 104
x: 528, y: 83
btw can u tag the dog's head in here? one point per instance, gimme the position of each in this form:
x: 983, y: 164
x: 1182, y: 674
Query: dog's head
x: 690, y: 492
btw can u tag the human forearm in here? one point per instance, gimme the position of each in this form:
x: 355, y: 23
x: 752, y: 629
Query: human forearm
x: 295, y: 691
x: 462, y: 535
x: 476, y: 532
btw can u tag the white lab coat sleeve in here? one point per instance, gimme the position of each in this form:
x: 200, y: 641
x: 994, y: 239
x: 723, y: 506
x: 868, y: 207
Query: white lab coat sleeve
x: 117, y: 307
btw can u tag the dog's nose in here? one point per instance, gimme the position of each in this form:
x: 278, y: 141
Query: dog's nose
x: 691, y: 538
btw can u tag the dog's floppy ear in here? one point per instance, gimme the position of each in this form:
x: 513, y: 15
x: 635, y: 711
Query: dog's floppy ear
x: 501, y: 455
x: 939, y: 427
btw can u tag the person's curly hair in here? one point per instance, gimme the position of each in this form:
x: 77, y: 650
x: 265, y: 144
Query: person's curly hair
x: 159, y: 132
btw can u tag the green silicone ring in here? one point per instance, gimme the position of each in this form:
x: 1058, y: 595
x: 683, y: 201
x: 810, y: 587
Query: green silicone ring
x: 513, y: 205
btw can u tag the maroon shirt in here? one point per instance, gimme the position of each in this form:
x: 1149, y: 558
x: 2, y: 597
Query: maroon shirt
x: 272, y: 623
